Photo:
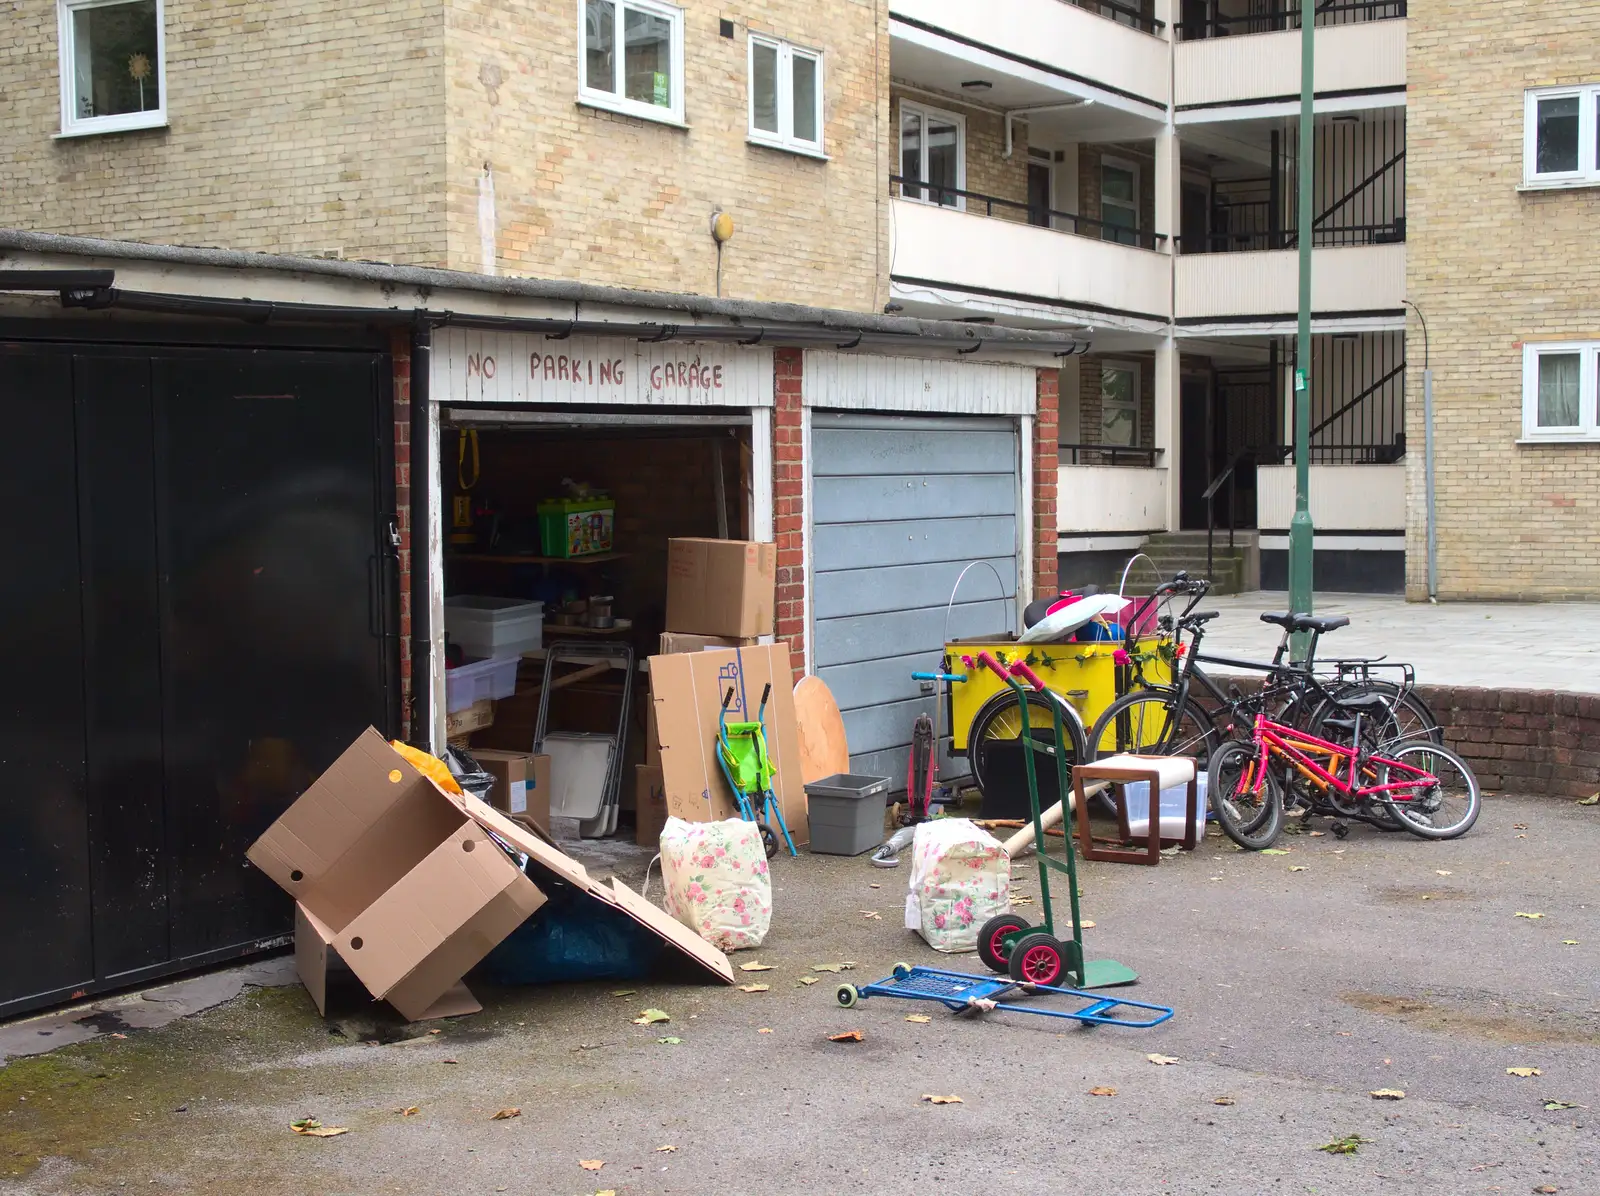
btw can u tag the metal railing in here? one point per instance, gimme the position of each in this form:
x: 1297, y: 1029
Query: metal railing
x: 1245, y: 238
x: 1111, y: 454
x: 1035, y: 214
x: 1342, y: 454
x: 1131, y: 15
x: 1276, y: 17
x: 1228, y: 477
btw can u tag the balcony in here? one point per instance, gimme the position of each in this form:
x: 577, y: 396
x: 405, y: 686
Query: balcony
x: 1109, y: 499
x: 1063, y: 261
x: 1040, y: 46
x: 1345, y: 498
x: 1363, y: 56
x: 1345, y: 279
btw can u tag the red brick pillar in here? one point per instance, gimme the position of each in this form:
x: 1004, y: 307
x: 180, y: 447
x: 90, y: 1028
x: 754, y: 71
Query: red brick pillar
x: 1046, y: 460
x: 788, y: 503
x: 400, y: 352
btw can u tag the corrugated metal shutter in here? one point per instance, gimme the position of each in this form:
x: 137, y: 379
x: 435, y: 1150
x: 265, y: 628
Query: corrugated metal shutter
x: 900, y: 505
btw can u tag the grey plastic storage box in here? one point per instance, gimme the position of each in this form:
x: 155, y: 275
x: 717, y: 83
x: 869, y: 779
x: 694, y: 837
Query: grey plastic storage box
x: 846, y: 813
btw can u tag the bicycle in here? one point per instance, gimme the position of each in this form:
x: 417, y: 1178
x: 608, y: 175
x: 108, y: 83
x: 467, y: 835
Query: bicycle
x: 1418, y: 785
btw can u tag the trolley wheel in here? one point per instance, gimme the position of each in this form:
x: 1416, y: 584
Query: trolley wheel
x: 1038, y: 959
x: 991, y: 939
x: 847, y: 995
x: 769, y: 839
x: 902, y: 970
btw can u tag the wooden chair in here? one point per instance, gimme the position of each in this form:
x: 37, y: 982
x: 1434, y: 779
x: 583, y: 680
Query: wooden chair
x: 1158, y: 773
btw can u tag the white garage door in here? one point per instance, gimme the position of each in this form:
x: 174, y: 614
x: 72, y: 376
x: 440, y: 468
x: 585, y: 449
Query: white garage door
x: 900, y: 505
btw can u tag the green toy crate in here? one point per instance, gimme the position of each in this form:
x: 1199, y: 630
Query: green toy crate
x: 570, y: 527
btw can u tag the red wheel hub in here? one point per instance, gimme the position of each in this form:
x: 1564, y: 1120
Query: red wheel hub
x: 997, y: 940
x: 1041, y: 964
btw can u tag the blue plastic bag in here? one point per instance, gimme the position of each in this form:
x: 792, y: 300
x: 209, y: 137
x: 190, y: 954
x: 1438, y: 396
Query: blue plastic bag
x: 573, y: 936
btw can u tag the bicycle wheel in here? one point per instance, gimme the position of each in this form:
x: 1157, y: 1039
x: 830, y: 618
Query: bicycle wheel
x: 1411, y: 720
x: 1248, y: 807
x: 1145, y: 722
x: 1443, y: 809
x: 1001, y: 719
x: 1374, y: 732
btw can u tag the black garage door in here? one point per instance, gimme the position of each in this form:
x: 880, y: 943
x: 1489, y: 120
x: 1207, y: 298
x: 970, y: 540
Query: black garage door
x: 198, y: 614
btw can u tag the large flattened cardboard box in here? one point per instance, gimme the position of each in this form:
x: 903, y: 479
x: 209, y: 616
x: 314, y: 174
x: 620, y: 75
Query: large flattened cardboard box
x: 721, y: 587
x: 686, y: 692
x: 395, y: 876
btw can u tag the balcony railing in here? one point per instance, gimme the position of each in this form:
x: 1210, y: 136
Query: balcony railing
x: 1248, y: 232
x: 1123, y: 14
x: 1281, y: 17
x: 1109, y: 454
x: 1034, y: 214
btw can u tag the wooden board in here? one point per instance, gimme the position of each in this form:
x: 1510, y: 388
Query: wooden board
x: 824, y: 750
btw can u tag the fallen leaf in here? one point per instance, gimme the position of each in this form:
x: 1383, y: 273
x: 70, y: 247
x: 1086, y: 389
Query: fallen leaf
x: 1524, y: 1072
x: 1349, y: 1144
x: 848, y: 1036
x: 874, y: 886
x: 506, y: 1114
x: 116, y: 1034
x: 1443, y: 872
x: 587, y: 1046
x: 1228, y: 1100
x: 764, y: 1030
x: 755, y: 966
x: 754, y: 988
x: 835, y: 968
x: 451, y: 1061
x: 872, y: 915
x: 1297, y: 867
x: 1102, y: 1091
x: 1547, y: 1189
x: 1387, y: 1094
x: 1163, y: 1060
x: 650, y: 1017
x: 665, y: 1149
x: 1274, y: 851
x: 435, y: 1031
x: 670, y: 1040
x: 312, y: 1128
x: 1314, y: 835
x: 920, y: 1019
x: 409, y: 1111
x: 1569, y: 942
x: 1427, y: 896
x: 625, y: 992
x: 1086, y: 925
x: 941, y: 1100
x: 806, y: 980
x: 1519, y: 826
x: 1551, y: 1106
x: 591, y: 1164
x: 1592, y: 800
x: 1530, y: 916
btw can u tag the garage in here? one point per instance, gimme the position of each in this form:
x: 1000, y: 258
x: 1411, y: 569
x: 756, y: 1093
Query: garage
x: 202, y: 616
x: 901, y: 505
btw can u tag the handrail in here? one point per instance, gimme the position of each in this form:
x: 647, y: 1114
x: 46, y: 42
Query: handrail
x: 1114, y: 451
x: 1210, y: 495
x: 1288, y: 17
x: 1399, y: 156
x: 1390, y: 232
x: 1095, y: 6
x: 1361, y: 398
x: 990, y: 201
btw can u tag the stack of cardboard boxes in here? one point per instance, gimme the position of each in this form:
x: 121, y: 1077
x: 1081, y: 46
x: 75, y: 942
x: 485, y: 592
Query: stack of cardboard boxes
x: 720, y: 600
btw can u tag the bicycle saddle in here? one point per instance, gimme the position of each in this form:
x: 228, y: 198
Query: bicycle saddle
x: 1317, y: 623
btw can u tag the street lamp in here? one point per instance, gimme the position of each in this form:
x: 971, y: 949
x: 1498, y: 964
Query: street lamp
x: 1300, y: 531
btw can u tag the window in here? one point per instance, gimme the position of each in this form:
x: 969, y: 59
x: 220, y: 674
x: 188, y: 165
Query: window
x: 113, y: 66
x: 632, y: 58
x: 1119, y: 404
x: 785, y: 95
x: 1561, y: 136
x: 933, y: 151
x: 1119, y: 201
x: 1559, y: 399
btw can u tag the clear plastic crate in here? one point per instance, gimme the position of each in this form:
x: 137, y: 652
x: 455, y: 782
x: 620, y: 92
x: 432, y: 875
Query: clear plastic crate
x: 491, y: 627
x: 469, y: 683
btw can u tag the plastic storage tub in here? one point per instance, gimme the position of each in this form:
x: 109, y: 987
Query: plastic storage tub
x: 570, y: 527
x: 494, y: 627
x: 469, y: 683
x: 846, y: 813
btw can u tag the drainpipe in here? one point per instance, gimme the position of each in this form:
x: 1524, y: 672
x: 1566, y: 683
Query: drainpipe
x: 1427, y: 460
x: 421, y: 635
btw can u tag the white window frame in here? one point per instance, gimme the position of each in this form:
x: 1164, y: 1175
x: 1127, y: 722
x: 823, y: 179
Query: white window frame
x: 1588, y: 172
x: 960, y: 122
x: 1132, y: 368
x: 1588, y: 425
x: 617, y: 101
x: 73, y: 125
x: 784, y: 138
x: 1132, y: 168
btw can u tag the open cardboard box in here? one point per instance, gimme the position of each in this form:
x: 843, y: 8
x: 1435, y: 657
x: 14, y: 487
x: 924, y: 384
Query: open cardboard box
x: 411, y: 885
x: 686, y: 692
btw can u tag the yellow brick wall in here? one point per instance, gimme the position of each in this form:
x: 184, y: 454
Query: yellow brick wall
x: 605, y: 198
x: 988, y: 170
x: 300, y: 126
x: 1491, y: 268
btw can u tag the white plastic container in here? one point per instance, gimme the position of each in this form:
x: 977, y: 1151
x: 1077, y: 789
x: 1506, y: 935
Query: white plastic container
x: 1174, y: 809
x: 494, y: 627
x: 469, y: 683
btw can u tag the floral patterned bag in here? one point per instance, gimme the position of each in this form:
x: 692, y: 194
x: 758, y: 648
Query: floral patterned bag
x: 717, y: 880
x: 960, y: 878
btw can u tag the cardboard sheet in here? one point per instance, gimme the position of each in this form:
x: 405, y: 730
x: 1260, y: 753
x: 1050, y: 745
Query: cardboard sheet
x: 824, y: 751
x: 686, y: 693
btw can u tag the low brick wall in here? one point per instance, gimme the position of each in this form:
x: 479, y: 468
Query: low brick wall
x: 1522, y: 740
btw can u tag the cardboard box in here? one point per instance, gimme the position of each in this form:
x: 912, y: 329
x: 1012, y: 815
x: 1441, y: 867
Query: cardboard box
x: 521, y: 783
x: 652, y: 737
x: 721, y: 587
x: 394, y: 875
x: 682, y: 641
x: 649, y: 805
x: 686, y: 695
x: 474, y: 718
